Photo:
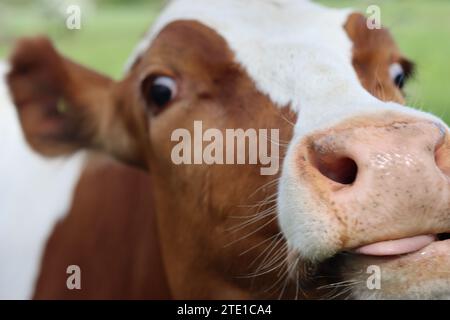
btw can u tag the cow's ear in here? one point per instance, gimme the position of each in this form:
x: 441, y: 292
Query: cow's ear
x: 64, y: 106
x: 51, y: 96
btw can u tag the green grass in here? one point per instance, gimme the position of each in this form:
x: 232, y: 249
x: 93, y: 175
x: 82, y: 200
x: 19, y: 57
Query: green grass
x: 108, y: 35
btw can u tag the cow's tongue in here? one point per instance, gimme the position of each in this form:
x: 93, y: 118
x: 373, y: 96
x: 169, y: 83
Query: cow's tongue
x: 395, y: 247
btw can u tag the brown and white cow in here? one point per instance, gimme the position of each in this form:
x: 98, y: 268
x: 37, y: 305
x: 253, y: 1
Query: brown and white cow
x: 364, y: 180
x: 85, y: 210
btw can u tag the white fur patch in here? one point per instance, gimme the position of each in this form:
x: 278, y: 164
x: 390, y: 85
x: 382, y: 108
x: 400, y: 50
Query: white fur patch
x: 34, y: 194
x: 297, y: 52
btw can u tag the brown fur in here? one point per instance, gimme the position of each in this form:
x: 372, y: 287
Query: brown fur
x: 110, y: 234
x: 373, y: 52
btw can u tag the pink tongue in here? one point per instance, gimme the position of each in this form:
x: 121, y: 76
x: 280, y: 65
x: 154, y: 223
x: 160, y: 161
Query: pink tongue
x: 395, y: 247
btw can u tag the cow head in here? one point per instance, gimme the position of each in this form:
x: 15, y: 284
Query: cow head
x: 359, y: 168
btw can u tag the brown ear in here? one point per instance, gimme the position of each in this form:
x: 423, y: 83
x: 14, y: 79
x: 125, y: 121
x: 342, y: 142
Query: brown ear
x: 63, y: 106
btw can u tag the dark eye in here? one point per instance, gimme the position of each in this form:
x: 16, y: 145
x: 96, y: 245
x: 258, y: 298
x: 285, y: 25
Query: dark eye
x: 398, y: 75
x: 160, y: 91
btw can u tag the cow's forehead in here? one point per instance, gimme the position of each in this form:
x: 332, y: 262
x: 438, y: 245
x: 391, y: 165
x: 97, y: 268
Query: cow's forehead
x: 290, y: 48
x: 274, y: 40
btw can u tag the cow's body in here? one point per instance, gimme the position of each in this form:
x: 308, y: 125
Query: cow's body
x: 34, y: 194
x: 84, y: 210
x: 110, y: 233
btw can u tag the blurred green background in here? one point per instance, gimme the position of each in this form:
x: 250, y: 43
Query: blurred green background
x: 111, y: 29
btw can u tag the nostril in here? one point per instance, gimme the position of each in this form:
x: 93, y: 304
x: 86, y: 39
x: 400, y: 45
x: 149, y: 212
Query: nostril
x: 443, y: 236
x: 342, y: 170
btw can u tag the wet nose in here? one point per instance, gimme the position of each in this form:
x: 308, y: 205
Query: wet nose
x: 348, y: 155
x: 383, y: 182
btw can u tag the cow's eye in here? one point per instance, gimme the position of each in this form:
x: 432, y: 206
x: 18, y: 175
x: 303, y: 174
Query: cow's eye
x: 159, y: 91
x: 398, y: 75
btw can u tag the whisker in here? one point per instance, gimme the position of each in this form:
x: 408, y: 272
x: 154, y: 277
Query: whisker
x: 286, y: 281
x: 287, y: 120
x: 247, y: 223
x: 264, y: 251
x: 265, y: 186
x: 254, y: 275
x: 273, y: 246
x: 280, y: 278
x: 252, y: 233
x: 264, y: 266
x: 259, y: 244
